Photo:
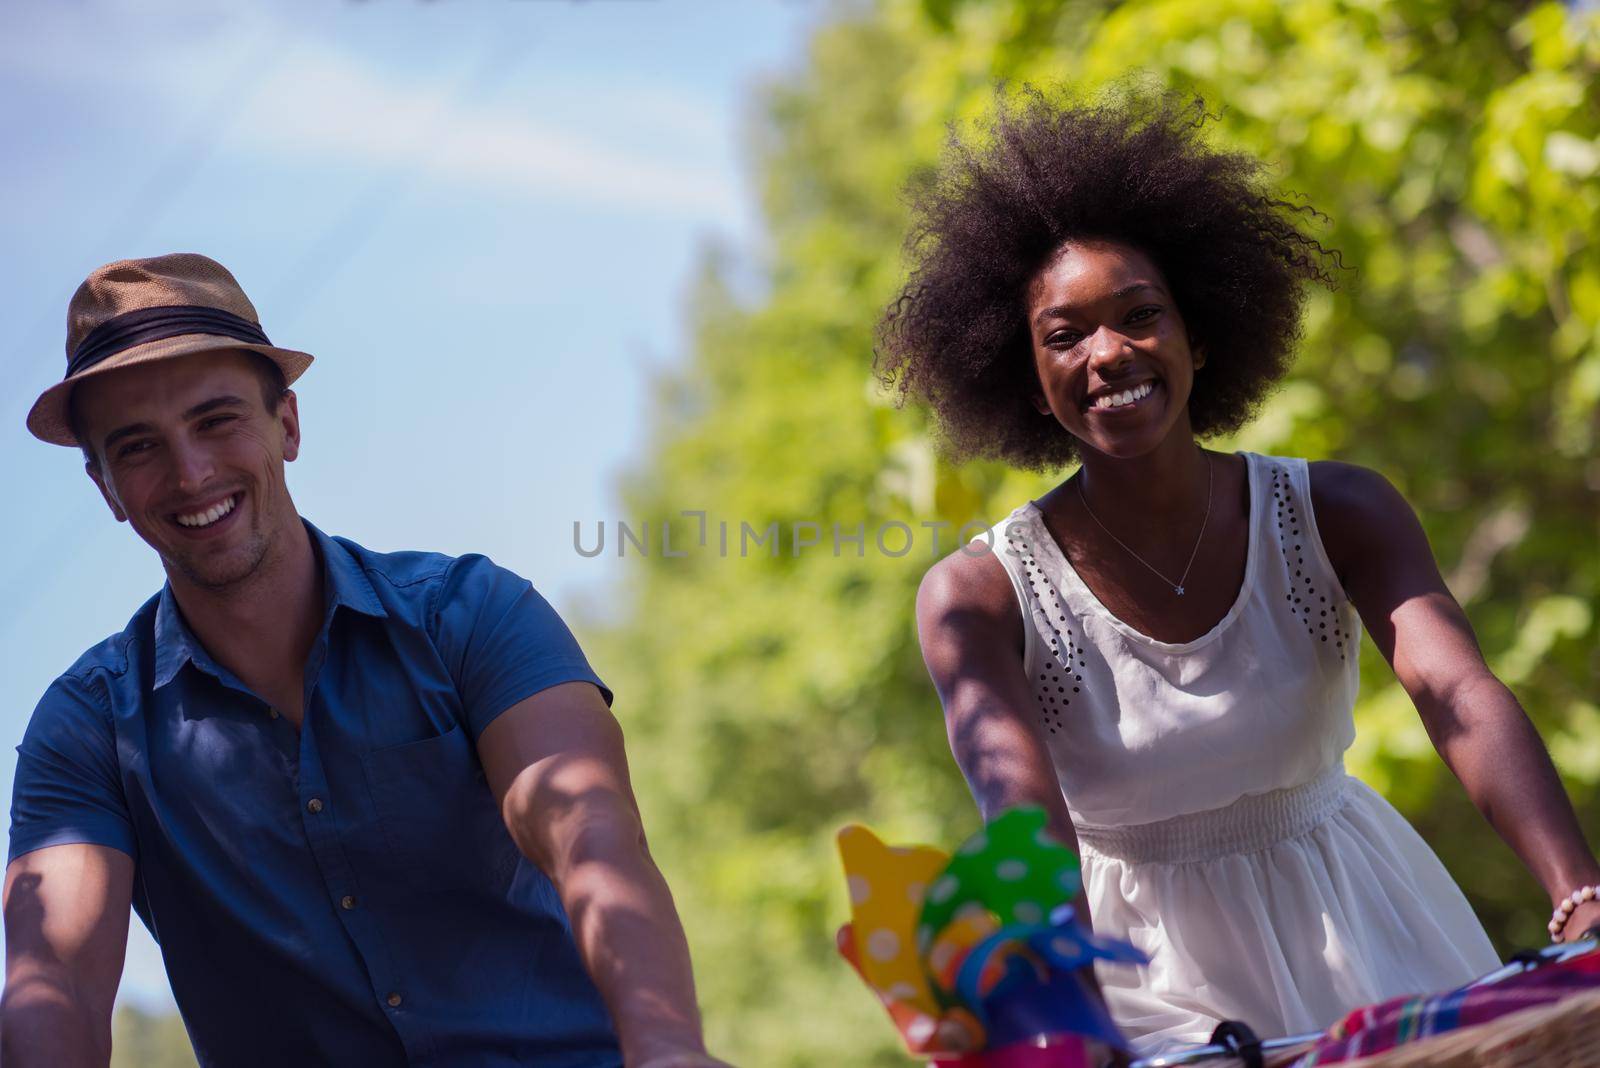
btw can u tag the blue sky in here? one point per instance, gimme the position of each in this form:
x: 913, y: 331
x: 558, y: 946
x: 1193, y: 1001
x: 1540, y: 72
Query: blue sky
x: 479, y: 217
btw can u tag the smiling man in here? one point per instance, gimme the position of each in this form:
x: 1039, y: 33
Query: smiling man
x: 373, y: 806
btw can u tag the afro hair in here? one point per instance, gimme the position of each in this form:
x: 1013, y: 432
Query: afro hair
x: 1130, y: 169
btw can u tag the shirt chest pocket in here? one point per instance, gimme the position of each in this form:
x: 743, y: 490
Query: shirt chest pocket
x: 438, y: 817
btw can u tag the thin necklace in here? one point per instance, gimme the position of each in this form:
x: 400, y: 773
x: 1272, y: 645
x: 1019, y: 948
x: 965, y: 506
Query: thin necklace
x: 1177, y: 587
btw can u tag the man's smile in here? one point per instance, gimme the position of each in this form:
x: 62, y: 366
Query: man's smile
x: 208, y: 517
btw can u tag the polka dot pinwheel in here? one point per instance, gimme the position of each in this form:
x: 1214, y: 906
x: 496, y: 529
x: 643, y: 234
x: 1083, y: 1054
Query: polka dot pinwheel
x: 979, y: 951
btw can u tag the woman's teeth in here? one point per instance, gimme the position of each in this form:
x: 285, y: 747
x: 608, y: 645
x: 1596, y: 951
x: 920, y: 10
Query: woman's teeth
x: 1127, y: 396
x: 209, y: 516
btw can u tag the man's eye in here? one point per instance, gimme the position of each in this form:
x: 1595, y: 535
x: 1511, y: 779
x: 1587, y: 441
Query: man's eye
x: 214, y: 420
x: 1152, y: 310
x: 132, y: 447
x: 1066, y: 337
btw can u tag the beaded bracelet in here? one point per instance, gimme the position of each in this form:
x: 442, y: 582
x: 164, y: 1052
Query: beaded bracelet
x: 1563, y: 912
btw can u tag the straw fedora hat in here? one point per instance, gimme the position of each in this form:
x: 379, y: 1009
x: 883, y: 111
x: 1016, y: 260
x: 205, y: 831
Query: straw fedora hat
x: 140, y: 311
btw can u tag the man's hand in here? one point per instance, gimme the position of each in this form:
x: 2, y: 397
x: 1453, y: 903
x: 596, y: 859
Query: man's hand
x: 66, y: 912
x: 556, y: 764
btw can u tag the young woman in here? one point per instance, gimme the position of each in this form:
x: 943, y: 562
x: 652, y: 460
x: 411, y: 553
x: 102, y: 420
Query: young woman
x: 1162, y: 650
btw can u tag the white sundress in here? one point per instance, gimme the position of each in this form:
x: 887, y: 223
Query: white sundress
x: 1218, y: 829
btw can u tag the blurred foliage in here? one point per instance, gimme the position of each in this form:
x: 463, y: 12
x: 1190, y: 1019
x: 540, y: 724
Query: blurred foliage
x: 770, y: 698
x: 142, y: 1039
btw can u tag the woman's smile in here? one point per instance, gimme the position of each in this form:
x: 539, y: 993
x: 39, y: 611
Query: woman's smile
x: 1121, y: 402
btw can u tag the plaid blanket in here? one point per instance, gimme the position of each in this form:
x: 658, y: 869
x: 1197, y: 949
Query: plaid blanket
x: 1398, y: 1021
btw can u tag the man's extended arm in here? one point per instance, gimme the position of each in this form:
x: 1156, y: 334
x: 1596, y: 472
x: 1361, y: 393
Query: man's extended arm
x: 66, y: 915
x: 556, y: 764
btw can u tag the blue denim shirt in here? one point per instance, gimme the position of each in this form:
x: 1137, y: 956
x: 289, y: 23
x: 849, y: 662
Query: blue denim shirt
x: 344, y: 894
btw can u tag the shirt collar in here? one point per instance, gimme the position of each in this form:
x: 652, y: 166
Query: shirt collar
x: 346, y: 580
x: 344, y: 583
x: 175, y: 645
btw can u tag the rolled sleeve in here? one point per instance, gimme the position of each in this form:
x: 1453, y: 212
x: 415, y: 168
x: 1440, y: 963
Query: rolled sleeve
x: 502, y: 641
x: 68, y: 789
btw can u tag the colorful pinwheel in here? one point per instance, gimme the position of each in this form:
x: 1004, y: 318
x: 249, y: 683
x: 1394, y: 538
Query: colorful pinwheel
x: 978, y: 955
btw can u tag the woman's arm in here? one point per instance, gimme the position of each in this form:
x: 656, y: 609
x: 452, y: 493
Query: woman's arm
x: 970, y: 628
x: 1382, y: 557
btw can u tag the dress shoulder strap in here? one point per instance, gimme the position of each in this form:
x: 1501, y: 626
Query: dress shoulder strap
x: 1305, y: 583
x: 1010, y: 540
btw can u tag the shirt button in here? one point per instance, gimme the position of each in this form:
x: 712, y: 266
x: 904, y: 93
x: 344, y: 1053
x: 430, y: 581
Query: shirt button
x: 273, y: 712
x: 314, y: 805
x: 394, y: 1001
x: 347, y: 902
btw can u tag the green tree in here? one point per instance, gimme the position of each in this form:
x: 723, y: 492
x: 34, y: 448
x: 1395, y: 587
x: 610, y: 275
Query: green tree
x: 771, y: 698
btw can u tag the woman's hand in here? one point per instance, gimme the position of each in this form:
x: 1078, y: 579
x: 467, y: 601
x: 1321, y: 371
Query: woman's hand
x: 1583, y: 917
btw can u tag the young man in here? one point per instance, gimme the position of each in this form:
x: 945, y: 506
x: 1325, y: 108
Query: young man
x: 355, y: 796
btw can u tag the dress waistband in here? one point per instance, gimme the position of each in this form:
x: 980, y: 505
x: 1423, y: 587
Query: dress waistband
x: 1249, y: 824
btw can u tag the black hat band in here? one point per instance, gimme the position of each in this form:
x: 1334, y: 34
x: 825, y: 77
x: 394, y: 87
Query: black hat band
x: 153, y: 324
